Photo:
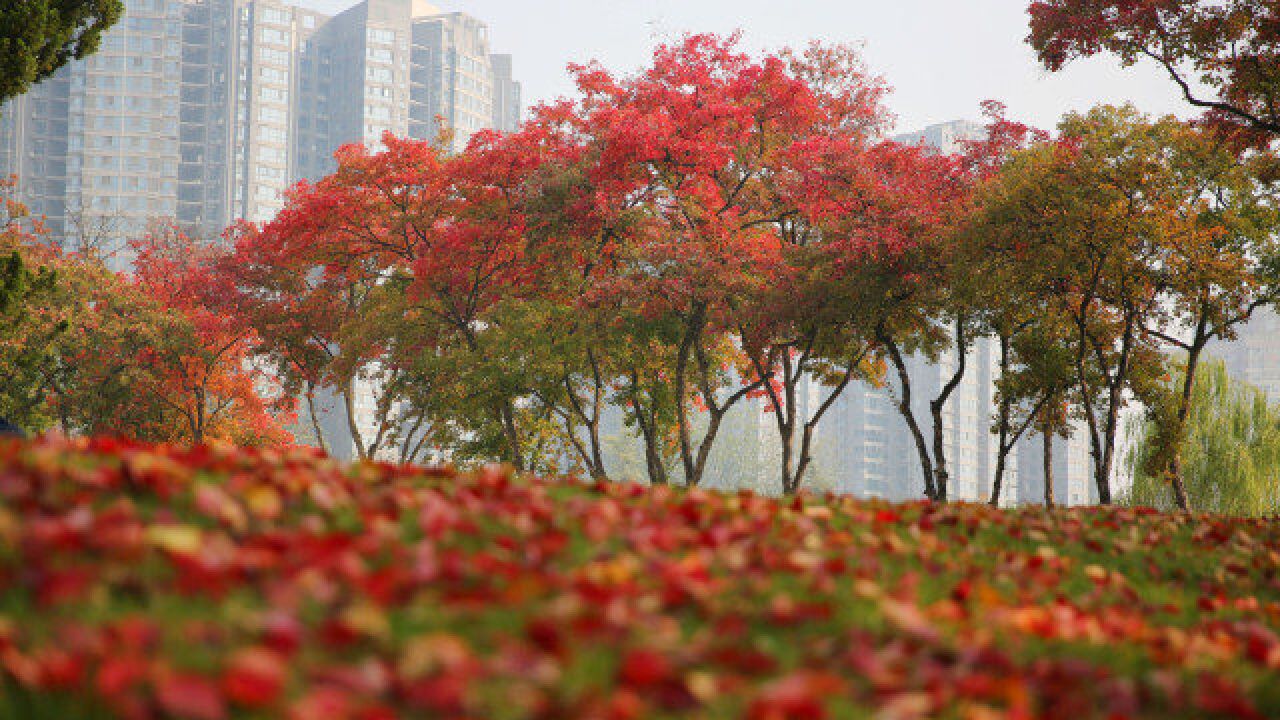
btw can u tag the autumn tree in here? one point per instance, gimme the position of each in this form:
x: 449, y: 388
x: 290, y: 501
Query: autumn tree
x: 1221, y: 263
x: 936, y: 299
x: 832, y: 205
x: 325, y: 325
x: 1118, y: 223
x: 199, y: 368
x: 1221, y: 55
x: 712, y: 142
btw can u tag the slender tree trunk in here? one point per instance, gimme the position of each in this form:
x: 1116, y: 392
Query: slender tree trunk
x: 997, y: 483
x: 937, y: 405
x: 908, y: 414
x: 353, y: 427
x: 1184, y: 412
x: 693, y: 331
x: 1002, y: 423
x: 507, y: 417
x: 649, y: 434
x: 592, y: 423
x: 597, y: 452
x: 654, y: 462
x: 704, y: 447
x: 806, y: 437
x: 1048, y: 467
x: 787, y: 428
x: 940, y: 474
x: 694, y: 459
x: 315, y: 419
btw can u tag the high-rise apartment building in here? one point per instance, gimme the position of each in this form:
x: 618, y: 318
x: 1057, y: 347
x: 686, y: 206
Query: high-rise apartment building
x: 96, y: 148
x: 1254, y: 356
x: 206, y: 111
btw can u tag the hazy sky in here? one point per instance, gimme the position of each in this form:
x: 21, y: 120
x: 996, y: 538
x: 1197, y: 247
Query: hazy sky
x: 942, y: 57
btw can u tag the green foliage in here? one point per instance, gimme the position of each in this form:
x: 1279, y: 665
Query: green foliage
x: 39, y: 36
x: 1230, y: 454
x: 26, y: 341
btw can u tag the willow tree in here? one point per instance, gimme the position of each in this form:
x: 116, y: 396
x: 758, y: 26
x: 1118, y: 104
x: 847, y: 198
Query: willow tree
x: 1230, y: 450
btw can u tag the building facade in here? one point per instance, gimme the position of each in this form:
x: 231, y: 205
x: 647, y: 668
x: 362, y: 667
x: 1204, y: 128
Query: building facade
x: 206, y: 111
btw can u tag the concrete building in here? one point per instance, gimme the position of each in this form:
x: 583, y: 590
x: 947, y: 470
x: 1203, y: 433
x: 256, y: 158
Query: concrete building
x: 96, y: 147
x: 206, y: 111
x: 454, y: 79
x: 1254, y: 356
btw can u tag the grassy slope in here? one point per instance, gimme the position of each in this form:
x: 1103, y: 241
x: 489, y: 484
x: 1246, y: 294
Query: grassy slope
x: 218, y: 583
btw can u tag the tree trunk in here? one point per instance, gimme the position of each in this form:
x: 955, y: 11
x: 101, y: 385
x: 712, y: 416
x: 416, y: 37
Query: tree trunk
x: 997, y: 484
x: 693, y: 328
x: 348, y: 401
x: 507, y: 416
x: 941, y: 477
x: 1048, y: 467
x: 315, y: 420
x: 937, y: 405
x: 1184, y: 412
x: 1002, y: 424
x: 787, y: 428
x: 908, y: 414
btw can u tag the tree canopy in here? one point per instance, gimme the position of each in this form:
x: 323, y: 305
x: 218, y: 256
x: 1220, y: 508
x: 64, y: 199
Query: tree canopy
x: 39, y: 36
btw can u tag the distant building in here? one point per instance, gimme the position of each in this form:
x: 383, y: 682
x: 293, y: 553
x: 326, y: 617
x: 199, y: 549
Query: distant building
x: 1254, y: 357
x: 206, y: 111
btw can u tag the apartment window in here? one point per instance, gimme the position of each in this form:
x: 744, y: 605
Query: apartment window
x: 270, y: 173
x: 309, y: 21
x: 271, y: 115
x: 272, y: 35
x: 377, y: 54
x: 382, y: 36
x: 379, y: 74
x: 379, y: 112
x: 275, y: 15
x: 270, y: 154
x: 275, y: 75
x: 271, y: 94
x: 274, y: 57
x: 273, y: 135
x: 265, y: 192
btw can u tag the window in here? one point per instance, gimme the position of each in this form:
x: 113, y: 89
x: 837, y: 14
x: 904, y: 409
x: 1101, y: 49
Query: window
x: 382, y: 55
x: 273, y: 35
x: 265, y: 192
x: 379, y: 35
x: 379, y: 74
x: 274, y: 57
x: 275, y: 75
x: 275, y: 15
x: 271, y: 94
x: 269, y: 173
x: 270, y: 154
x: 309, y: 21
x: 271, y: 115
x: 273, y: 135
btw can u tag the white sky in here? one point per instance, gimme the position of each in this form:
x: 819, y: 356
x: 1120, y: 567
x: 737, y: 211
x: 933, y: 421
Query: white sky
x: 942, y: 57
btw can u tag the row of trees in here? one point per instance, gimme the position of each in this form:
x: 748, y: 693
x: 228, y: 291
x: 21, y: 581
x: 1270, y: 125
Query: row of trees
x: 714, y: 228
x: 720, y: 227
